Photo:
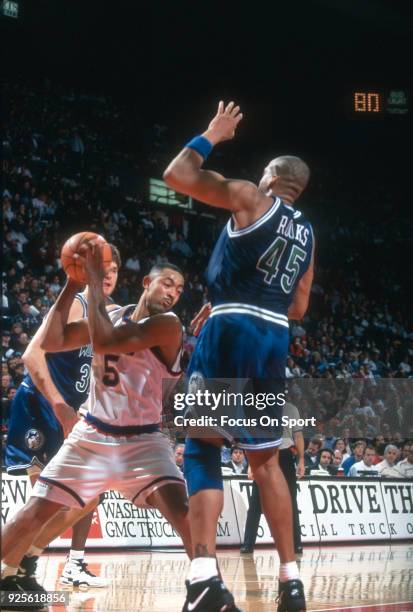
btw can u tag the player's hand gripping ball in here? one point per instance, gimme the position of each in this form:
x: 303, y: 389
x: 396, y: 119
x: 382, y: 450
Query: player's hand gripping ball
x: 72, y: 265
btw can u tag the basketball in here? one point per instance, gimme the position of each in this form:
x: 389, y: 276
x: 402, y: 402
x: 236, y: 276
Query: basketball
x: 71, y: 265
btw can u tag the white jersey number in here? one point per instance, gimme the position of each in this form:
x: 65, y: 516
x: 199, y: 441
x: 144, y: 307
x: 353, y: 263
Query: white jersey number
x: 82, y: 385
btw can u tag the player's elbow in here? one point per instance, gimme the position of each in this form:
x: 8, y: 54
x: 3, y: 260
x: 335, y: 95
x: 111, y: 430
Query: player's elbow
x: 27, y: 357
x: 170, y: 177
x: 31, y: 355
x: 168, y: 174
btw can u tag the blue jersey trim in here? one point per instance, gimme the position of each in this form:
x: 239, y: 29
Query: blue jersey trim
x: 119, y: 430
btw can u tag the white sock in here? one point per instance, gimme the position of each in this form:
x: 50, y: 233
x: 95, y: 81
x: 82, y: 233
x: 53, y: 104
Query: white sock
x: 289, y: 571
x: 7, y: 570
x: 34, y: 551
x: 202, y: 568
x: 76, y: 555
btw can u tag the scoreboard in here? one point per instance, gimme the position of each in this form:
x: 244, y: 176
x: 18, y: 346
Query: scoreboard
x: 378, y: 104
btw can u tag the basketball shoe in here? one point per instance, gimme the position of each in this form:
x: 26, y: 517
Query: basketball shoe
x: 291, y: 596
x: 75, y: 572
x: 20, y: 585
x: 27, y: 575
x: 209, y: 596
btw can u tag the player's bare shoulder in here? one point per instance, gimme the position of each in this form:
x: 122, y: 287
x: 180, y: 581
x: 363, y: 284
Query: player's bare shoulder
x: 171, y: 325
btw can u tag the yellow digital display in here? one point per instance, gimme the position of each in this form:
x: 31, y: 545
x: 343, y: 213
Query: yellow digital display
x: 368, y: 102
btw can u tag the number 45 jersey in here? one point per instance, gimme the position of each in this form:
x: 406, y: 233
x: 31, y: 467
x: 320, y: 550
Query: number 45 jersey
x: 252, y: 275
x: 255, y: 270
x: 126, y: 389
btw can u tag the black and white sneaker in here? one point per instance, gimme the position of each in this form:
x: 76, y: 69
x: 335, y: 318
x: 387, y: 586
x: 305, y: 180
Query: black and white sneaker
x: 291, y: 596
x: 209, y: 596
x: 77, y: 574
x: 18, y: 584
x: 27, y: 575
x: 28, y: 566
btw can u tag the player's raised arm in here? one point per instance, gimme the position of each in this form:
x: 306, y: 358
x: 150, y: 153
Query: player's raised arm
x: 184, y: 173
x: 58, y: 334
x: 34, y: 358
x: 158, y: 331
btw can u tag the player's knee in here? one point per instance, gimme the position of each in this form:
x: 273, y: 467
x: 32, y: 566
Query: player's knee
x: 202, y: 466
x: 32, y: 514
x: 264, y: 471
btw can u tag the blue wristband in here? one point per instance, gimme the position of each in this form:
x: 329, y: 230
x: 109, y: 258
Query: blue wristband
x: 201, y: 145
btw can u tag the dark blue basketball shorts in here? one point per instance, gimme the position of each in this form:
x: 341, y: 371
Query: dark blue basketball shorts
x: 242, y: 346
x: 34, y: 434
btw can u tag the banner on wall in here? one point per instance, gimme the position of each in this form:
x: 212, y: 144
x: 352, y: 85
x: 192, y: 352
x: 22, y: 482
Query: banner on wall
x: 331, y: 510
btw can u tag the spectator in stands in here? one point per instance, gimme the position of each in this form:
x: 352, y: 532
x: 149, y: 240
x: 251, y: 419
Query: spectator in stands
x: 181, y: 247
x: 379, y: 443
x: 292, y: 370
x: 324, y: 462
x: 366, y: 466
x: 337, y: 458
x: 311, y: 453
x: 357, y: 455
x: 133, y: 263
x: 340, y: 445
x: 404, y: 451
x: 179, y: 455
x: 6, y: 350
x: 405, y: 467
x: 387, y: 467
x: 238, y: 463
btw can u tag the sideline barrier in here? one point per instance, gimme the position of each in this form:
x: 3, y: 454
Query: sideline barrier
x: 331, y: 510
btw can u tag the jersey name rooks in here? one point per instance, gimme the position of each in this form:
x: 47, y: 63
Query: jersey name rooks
x: 292, y: 230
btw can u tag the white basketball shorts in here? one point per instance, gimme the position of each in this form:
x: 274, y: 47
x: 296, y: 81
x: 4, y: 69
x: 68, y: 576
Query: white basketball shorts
x: 90, y: 462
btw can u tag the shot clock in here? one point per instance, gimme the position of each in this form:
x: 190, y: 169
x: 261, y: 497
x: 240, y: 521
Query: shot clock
x: 378, y: 104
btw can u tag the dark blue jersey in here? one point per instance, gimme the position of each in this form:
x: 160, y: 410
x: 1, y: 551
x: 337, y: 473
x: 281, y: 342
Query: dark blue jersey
x: 258, y: 267
x: 70, y: 370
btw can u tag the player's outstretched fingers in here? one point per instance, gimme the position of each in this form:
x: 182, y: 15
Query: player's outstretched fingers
x: 80, y: 258
x: 220, y: 107
x: 235, y: 111
x: 229, y: 108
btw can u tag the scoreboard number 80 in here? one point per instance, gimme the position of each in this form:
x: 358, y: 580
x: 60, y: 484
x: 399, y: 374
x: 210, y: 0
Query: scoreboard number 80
x: 377, y: 103
x: 367, y: 102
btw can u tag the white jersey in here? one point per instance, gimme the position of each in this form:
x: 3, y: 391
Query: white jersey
x: 126, y: 390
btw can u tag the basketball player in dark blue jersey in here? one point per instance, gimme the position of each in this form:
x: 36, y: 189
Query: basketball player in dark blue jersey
x: 42, y: 414
x: 259, y: 276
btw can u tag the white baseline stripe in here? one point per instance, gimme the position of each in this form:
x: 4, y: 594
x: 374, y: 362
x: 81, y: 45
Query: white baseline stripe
x: 362, y: 605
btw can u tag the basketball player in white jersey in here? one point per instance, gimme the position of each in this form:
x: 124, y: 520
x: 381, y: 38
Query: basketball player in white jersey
x: 118, y: 444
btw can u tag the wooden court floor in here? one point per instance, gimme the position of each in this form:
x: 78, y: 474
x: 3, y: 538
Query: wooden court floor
x: 368, y: 578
